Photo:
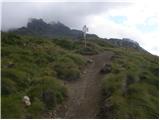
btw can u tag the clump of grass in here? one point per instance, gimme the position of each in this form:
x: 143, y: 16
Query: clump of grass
x: 90, y: 49
x: 49, y: 91
x: 66, y: 44
x: 17, y: 76
x: 66, y: 69
x: 12, y: 107
x: 8, y: 86
x: 35, y: 110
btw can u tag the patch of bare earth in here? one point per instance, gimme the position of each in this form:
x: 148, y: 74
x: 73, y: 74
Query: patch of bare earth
x: 84, y: 95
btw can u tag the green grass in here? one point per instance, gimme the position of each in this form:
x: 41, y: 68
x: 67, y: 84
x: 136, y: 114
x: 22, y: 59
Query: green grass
x: 49, y: 90
x: 131, y: 89
x: 34, y: 66
x: 12, y: 107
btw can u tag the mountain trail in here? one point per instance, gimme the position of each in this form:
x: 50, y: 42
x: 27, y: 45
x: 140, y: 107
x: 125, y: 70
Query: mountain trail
x: 84, y: 95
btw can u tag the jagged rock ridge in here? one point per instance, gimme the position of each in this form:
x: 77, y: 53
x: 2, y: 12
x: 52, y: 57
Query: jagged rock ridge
x: 38, y: 27
x: 55, y: 29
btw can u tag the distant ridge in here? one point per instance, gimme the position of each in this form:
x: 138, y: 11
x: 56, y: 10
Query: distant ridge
x: 38, y: 27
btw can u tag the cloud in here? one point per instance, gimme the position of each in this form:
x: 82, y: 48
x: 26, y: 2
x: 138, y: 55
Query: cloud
x: 16, y: 14
x: 139, y: 21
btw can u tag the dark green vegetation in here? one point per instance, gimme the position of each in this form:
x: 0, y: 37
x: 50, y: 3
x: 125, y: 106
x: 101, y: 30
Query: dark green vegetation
x: 131, y: 89
x: 36, y: 66
x: 33, y: 66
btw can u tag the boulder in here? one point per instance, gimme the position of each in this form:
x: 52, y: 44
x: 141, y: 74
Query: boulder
x: 106, y: 69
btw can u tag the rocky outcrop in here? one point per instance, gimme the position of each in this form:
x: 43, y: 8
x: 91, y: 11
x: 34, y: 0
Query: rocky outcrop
x: 125, y: 42
x: 106, y: 69
x: 38, y: 27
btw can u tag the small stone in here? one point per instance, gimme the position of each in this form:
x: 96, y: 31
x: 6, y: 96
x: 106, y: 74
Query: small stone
x: 106, y: 68
x: 84, y: 72
x: 89, y: 61
x: 26, y: 100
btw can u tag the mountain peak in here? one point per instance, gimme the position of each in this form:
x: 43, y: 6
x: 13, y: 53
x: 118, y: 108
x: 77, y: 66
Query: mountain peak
x: 36, y: 23
x: 39, y: 27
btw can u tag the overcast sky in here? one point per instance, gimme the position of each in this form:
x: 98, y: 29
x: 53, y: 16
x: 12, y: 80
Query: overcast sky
x: 139, y: 21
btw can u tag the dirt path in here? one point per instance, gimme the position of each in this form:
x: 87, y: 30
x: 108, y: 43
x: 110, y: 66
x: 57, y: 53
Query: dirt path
x: 85, y: 94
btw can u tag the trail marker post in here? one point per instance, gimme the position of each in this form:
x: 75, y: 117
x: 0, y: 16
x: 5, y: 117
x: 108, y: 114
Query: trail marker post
x: 85, y: 30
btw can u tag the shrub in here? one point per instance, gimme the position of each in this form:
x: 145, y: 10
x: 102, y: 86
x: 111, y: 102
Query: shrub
x: 67, y: 44
x: 87, y: 51
x: 19, y: 77
x: 12, y: 107
x: 146, y: 106
x: 113, y: 83
x: 67, y: 72
x: 66, y: 69
x: 36, y: 109
x: 8, y: 86
x: 49, y: 91
x: 77, y: 59
x: 11, y: 38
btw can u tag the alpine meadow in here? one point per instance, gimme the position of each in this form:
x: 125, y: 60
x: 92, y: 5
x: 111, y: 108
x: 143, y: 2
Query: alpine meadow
x: 50, y: 70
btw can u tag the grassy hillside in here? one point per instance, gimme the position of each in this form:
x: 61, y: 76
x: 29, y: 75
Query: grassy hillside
x: 131, y: 89
x: 37, y: 67
x: 34, y: 66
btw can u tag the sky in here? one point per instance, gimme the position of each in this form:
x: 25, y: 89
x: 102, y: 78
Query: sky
x: 138, y: 20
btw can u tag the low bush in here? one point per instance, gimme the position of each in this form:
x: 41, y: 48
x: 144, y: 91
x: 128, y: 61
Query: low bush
x: 49, y: 91
x: 66, y: 69
x: 35, y: 110
x: 78, y: 59
x: 17, y: 76
x: 91, y: 49
x: 12, y: 107
x: 87, y: 51
x: 8, y: 86
x: 67, y: 44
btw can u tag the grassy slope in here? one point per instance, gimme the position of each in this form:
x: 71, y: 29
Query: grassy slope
x: 131, y: 89
x: 31, y: 64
